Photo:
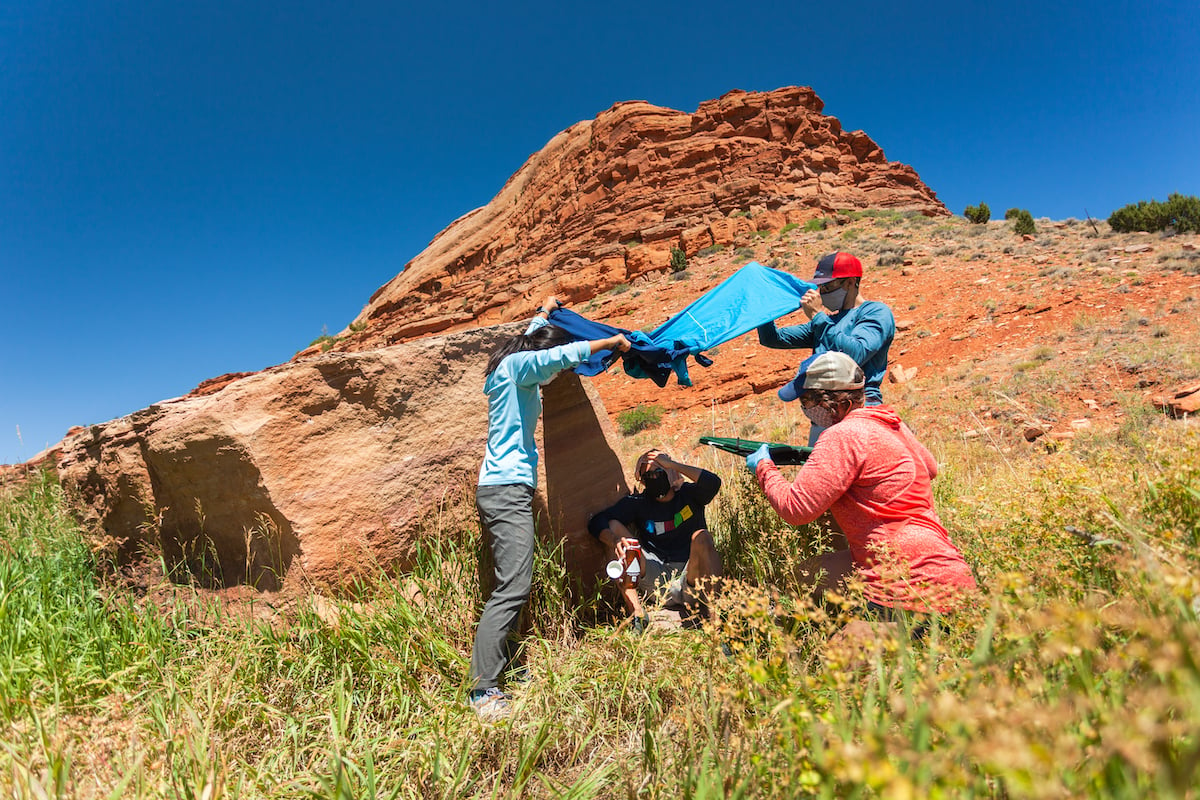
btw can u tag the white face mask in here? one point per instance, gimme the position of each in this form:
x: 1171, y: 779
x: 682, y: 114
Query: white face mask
x: 833, y: 300
x: 820, y: 416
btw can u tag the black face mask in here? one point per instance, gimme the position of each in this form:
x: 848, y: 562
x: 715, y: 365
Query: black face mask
x: 657, y: 484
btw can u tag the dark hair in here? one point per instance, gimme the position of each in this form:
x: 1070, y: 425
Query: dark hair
x: 543, y: 338
x: 855, y: 396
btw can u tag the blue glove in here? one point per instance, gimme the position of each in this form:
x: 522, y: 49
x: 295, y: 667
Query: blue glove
x: 761, y: 454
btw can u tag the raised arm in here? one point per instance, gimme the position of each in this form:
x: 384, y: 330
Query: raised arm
x: 793, y: 337
x: 825, y: 477
x: 709, y: 483
x: 616, y: 342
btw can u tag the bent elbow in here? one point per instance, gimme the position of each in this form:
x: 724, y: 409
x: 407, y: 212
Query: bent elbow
x: 802, y: 518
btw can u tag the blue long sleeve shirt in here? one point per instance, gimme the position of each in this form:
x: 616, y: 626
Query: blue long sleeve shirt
x: 864, y: 333
x: 514, y: 405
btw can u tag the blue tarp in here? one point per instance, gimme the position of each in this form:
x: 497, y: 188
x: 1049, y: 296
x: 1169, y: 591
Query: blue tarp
x: 750, y: 297
x: 645, y: 359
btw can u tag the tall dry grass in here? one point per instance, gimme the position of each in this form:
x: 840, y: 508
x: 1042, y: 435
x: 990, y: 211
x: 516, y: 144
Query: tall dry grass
x: 1075, y: 674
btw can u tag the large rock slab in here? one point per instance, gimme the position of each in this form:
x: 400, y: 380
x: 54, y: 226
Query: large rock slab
x: 583, y: 473
x: 323, y: 470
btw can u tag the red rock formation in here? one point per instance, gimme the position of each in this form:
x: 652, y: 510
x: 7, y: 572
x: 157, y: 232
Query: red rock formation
x: 607, y: 199
x: 1179, y: 401
x: 325, y: 467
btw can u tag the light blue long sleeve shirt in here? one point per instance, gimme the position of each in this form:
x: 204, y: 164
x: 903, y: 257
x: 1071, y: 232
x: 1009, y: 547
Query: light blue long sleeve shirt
x: 514, y: 405
x: 864, y: 333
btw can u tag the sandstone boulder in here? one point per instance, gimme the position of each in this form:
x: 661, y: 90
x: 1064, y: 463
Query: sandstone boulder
x: 323, y: 470
x: 1181, y: 400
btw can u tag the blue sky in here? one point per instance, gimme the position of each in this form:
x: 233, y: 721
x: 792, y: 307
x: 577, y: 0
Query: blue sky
x: 190, y: 189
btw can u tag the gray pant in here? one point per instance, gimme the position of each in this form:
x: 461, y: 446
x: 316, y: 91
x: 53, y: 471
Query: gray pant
x: 665, y: 581
x: 507, y: 516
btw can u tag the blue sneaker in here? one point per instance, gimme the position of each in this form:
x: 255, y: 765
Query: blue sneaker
x: 490, y: 704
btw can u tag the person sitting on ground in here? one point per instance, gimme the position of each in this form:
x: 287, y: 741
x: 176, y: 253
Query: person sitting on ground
x: 840, y: 319
x: 874, y: 475
x: 678, y: 556
x: 516, y: 370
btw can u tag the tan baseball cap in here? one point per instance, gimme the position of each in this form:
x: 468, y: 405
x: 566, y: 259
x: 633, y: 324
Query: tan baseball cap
x: 828, y: 370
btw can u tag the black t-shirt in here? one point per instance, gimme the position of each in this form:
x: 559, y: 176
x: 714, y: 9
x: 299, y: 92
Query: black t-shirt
x: 664, y: 529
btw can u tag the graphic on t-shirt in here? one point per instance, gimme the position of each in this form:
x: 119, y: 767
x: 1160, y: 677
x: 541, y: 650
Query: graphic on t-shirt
x: 666, y: 526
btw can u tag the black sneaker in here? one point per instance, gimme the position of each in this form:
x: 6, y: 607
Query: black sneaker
x: 518, y: 678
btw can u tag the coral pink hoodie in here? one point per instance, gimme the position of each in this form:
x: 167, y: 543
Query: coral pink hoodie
x: 873, y: 474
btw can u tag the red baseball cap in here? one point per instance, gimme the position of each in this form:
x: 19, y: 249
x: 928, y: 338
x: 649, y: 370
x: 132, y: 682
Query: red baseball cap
x: 837, y: 265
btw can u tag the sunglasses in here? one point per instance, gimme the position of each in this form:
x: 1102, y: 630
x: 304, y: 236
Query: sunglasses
x: 813, y: 397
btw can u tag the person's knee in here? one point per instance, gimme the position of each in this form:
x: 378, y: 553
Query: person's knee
x: 704, y: 552
x: 703, y: 544
x: 856, y: 646
x: 516, y: 586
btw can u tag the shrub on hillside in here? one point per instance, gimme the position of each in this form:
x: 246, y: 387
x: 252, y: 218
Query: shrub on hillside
x: 678, y: 260
x: 892, y: 256
x: 639, y: 418
x: 1181, y: 212
x: 1012, y: 213
x: 978, y: 214
x: 1024, y: 223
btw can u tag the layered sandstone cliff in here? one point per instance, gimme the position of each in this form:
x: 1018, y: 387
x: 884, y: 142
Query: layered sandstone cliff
x: 607, y: 199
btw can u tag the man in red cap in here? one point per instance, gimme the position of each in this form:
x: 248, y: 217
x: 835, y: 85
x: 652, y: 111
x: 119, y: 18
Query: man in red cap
x: 841, y: 320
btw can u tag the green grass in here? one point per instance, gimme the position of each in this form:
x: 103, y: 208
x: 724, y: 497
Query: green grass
x: 639, y: 418
x: 326, y: 342
x: 1073, y: 675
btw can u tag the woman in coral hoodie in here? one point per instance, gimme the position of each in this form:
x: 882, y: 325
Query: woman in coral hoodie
x: 874, y: 476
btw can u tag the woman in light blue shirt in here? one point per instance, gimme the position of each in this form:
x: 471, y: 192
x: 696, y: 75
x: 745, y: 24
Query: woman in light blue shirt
x: 516, y: 370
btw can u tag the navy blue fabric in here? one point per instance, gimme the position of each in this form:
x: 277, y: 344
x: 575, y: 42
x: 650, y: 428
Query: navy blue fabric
x: 645, y: 359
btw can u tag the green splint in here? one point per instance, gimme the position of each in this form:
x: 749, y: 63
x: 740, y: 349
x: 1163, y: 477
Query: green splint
x: 782, y: 454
